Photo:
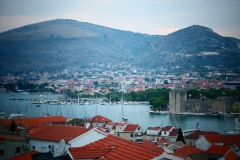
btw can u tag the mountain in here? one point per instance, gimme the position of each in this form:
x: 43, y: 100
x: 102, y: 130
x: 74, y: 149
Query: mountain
x: 58, y: 44
x: 194, y: 47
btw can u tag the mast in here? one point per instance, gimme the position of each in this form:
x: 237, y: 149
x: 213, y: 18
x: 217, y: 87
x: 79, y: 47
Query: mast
x: 78, y: 102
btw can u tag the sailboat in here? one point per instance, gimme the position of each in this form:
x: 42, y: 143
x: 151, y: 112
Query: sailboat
x: 124, y: 119
x: 16, y: 115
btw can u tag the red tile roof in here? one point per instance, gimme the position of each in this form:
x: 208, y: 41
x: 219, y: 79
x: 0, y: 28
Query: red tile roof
x: 150, y: 143
x: 111, y: 123
x: 188, y: 150
x: 16, y: 138
x: 114, y: 127
x: 229, y: 140
x: 56, y: 133
x: 167, y: 128
x: 131, y: 128
x: 25, y: 156
x: 87, y: 153
x: 214, y: 138
x: 28, y: 122
x: 33, y: 129
x: 153, y: 128
x: 174, y: 132
x: 163, y: 140
x: 231, y: 155
x: 219, y: 150
x: 118, y: 148
x: 98, y: 119
x: 197, y: 133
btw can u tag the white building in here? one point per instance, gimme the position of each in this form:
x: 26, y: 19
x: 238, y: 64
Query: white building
x: 205, y: 141
x: 49, y: 138
x: 165, y: 132
x: 152, y: 133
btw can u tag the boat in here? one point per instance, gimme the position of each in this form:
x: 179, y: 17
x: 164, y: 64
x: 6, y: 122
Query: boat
x: 124, y: 119
x: 17, y: 115
x: 54, y: 102
x: 38, y: 102
x: 157, y: 112
x: 133, y: 103
x: 193, y: 113
x: 3, y: 115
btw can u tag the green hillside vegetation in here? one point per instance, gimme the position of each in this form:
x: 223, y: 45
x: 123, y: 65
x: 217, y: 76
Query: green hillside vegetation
x: 65, y: 44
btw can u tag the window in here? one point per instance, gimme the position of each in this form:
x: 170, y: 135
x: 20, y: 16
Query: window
x: 139, y: 140
x: 17, y: 149
x: 131, y: 135
x: 33, y: 147
x: 138, y: 128
x: 2, y: 152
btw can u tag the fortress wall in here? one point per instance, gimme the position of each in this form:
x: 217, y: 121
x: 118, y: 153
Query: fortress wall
x: 178, y: 103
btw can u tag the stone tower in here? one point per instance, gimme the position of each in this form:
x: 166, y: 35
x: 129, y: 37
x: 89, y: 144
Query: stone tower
x: 177, y: 100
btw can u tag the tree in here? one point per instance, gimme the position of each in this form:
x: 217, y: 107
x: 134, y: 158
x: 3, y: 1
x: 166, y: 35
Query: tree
x: 180, y: 136
x: 157, y: 103
x: 13, y: 126
x: 236, y: 108
x: 95, y: 83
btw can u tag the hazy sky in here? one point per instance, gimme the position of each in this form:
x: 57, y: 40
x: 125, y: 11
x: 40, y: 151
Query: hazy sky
x: 144, y: 16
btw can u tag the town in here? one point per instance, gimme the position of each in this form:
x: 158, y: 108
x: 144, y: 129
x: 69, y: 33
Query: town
x: 98, y: 137
x: 101, y: 78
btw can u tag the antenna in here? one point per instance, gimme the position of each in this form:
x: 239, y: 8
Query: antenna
x: 61, y: 147
x: 88, y: 125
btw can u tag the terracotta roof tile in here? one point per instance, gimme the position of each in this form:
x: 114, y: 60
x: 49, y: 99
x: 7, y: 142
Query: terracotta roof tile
x: 86, y: 153
x: 28, y: 122
x: 121, y: 124
x: 188, y: 150
x: 174, y: 132
x: 111, y: 123
x: 131, y: 128
x: 163, y: 140
x: 98, y: 119
x: 150, y: 143
x: 25, y: 156
x: 56, y: 133
x: 229, y: 140
x: 153, y: 128
x: 219, y: 150
x: 231, y: 155
x: 214, y: 138
x: 33, y: 129
x: 197, y: 133
x: 16, y: 138
x: 122, y: 149
x: 167, y: 128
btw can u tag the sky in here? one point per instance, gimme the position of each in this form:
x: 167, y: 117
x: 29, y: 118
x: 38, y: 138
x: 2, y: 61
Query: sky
x: 143, y: 16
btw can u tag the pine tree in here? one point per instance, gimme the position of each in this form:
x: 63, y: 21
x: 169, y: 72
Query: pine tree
x: 180, y: 136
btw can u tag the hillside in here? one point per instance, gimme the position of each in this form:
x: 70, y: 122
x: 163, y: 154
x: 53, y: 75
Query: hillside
x: 59, y: 44
x: 196, y: 46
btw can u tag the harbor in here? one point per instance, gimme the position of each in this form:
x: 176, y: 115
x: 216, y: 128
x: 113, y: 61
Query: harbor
x: 136, y: 114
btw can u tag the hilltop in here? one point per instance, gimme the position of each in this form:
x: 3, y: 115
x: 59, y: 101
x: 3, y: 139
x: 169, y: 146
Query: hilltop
x: 58, y: 44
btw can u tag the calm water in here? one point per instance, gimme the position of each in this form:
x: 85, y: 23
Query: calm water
x: 134, y: 113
